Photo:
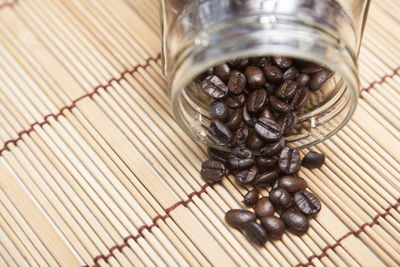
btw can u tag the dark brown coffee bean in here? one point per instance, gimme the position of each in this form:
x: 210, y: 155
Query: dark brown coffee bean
x: 219, y: 111
x: 256, y: 100
x: 270, y: 87
x: 303, y: 80
x: 223, y: 72
x: 237, y: 82
x: 273, y: 74
x: 287, y: 90
x: 235, y: 101
x: 318, y: 80
x: 307, y: 202
x: 267, y: 177
x: 289, y: 160
x: 313, y: 160
x: 239, y: 218
x: 266, y: 163
x: 288, y: 123
x: 266, y: 113
x: 300, y: 98
x: 214, y: 87
x: 218, y: 133
x: 268, y: 129
x: 311, y: 68
x: 212, y: 171
x: 254, y: 141
x: 279, y: 106
x: 272, y: 149
x: 215, y: 154
x: 259, y: 61
x: 255, y: 76
x: 248, y: 119
x: 241, y: 158
x: 246, y: 176
x: 274, y: 226
x: 240, y: 136
x: 290, y: 74
x: 235, y: 119
x: 256, y: 233
x: 281, y: 198
x: 264, y: 207
x: 283, y: 62
x: 292, y: 183
x: 295, y: 221
x: 239, y: 63
x: 250, y: 199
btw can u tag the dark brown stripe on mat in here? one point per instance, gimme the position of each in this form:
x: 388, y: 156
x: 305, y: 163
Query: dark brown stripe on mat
x: 149, y: 227
x: 73, y: 104
x: 381, y: 81
x: 355, y: 233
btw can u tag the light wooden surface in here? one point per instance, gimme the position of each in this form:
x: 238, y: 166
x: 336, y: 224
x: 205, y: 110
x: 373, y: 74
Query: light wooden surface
x: 95, y: 171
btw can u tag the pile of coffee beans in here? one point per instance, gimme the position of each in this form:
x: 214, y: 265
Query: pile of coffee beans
x: 255, y: 101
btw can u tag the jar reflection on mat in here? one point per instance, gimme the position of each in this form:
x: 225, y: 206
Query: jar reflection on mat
x: 199, y: 34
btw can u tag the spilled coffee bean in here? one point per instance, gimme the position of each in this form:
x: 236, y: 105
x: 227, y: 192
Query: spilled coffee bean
x: 250, y: 199
x: 239, y: 218
x: 256, y: 233
x: 295, y: 221
x: 306, y: 202
x: 313, y: 160
x: 212, y: 171
x: 274, y: 226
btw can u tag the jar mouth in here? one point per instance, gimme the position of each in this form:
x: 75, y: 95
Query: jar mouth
x: 285, y: 38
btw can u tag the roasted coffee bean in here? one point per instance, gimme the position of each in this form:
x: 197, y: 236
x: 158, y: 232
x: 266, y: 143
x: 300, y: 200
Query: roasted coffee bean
x: 306, y: 202
x: 303, y: 80
x: 223, y: 72
x: 266, y: 113
x: 289, y: 160
x: 218, y: 133
x: 287, y: 90
x: 239, y: 218
x: 218, y: 155
x: 250, y: 199
x: 300, y: 98
x: 267, y: 177
x: 254, y: 141
x: 241, y: 158
x: 249, y: 119
x: 271, y: 149
x: 237, y: 82
x: 290, y: 74
x: 313, y: 160
x: 235, y: 101
x: 292, y: 183
x: 256, y: 233
x: 295, y: 221
x: 259, y: 61
x: 239, y: 63
x: 281, y: 198
x: 288, y: 123
x: 264, y: 207
x: 214, y: 87
x: 240, y: 136
x: 266, y: 163
x: 246, y: 176
x: 268, y: 129
x: 311, y: 68
x: 212, y: 171
x: 273, y: 73
x: 219, y: 111
x: 254, y: 76
x: 318, y: 80
x: 270, y: 87
x: 235, y: 119
x: 256, y: 100
x: 278, y: 105
x: 283, y: 62
x: 274, y: 226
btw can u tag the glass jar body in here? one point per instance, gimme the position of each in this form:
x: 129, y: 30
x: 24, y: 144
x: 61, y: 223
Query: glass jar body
x: 200, y: 34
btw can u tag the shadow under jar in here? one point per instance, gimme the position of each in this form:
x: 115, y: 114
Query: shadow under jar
x: 202, y: 34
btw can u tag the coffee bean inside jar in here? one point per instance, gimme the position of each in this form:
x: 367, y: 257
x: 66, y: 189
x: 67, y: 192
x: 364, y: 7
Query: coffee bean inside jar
x: 255, y: 105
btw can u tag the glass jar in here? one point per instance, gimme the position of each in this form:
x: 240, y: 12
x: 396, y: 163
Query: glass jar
x: 199, y: 34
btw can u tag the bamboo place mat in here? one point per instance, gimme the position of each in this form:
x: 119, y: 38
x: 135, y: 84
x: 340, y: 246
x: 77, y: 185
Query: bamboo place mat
x: 95, y: 171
